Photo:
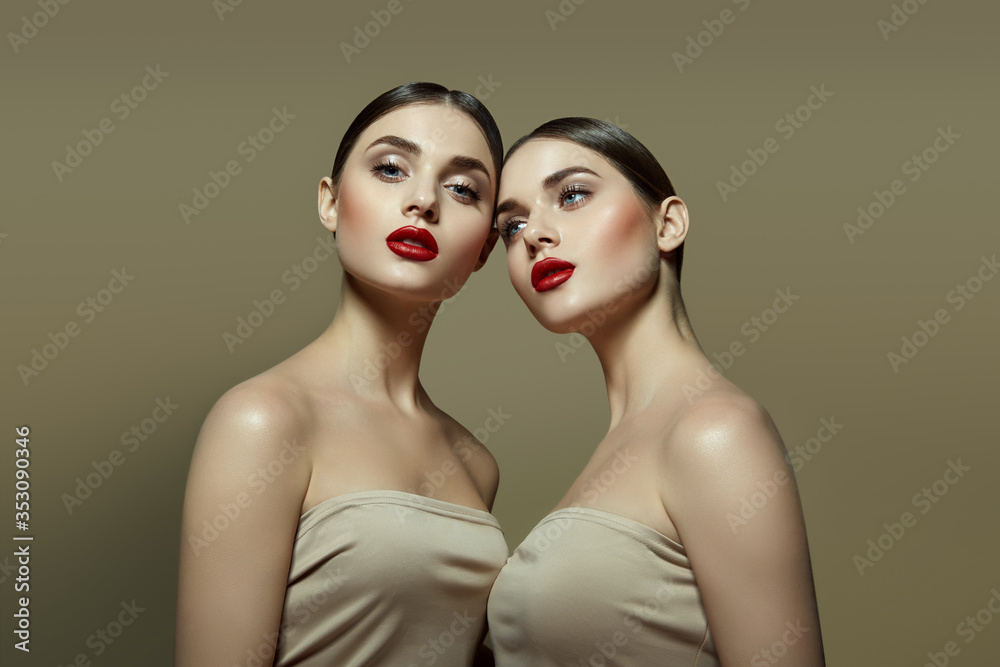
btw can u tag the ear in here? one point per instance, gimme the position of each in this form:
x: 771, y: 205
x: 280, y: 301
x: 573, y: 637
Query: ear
x: 671, y: 224
x: 491, y: 241
x: 328, y: 204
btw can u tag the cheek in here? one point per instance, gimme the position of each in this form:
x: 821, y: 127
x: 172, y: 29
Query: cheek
x: 468, y: 229
x: 355, y: 207
x: 622, y: 235
x: 518, y: 267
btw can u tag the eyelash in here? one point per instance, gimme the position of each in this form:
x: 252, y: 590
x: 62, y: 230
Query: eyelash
x: 379, y: 170
x: 573, y: 188
x: 473, y: 192
x: 379, y: 167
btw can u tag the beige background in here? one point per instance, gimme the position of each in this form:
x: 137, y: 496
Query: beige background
x: 826, y: 357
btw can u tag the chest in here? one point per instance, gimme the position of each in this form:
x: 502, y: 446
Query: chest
x: 370, y: 449
x: 625, y: 477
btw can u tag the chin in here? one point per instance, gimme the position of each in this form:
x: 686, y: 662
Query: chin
x: 415, y: 285
x: 560, y: 321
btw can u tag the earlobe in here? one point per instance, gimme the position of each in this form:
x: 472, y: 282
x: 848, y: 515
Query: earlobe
x: 484, y: 254
x: 328, y: 204
x: 671, y: 224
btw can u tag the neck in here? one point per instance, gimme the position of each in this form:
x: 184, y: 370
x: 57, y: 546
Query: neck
x: 378, y: 340
x: 648, y: 349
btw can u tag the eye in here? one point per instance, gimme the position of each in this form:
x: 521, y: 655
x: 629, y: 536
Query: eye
x: 510, y: 228
x: 388, y: 170
x: 573, y: 194
x: 465, y: 191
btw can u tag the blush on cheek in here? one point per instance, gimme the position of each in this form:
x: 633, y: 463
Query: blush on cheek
x: 351, y: 206
x: 623, y: 226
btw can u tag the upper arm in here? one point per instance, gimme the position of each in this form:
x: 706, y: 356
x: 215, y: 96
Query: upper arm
x: 734, y: 501
x: 242, y: 504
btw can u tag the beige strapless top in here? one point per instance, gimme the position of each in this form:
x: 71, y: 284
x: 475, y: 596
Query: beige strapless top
x: 588, y: 587
x: 389, y: 578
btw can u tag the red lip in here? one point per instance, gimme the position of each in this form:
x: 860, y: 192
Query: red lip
x: 550, y: 273
x: 425, y: 251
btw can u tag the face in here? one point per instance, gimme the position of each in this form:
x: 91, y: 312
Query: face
x: 413, y: 210
x: 581, y: 244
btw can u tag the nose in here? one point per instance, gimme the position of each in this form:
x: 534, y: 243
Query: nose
x: 421, y: 200
x: 539, y: 233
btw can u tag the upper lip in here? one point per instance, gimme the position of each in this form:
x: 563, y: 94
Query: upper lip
x: 546, y: 267
x: 418, y: 234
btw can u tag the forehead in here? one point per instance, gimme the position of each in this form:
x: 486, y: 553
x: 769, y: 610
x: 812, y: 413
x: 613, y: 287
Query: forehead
x: 538, y: 158
x: 435, y: 128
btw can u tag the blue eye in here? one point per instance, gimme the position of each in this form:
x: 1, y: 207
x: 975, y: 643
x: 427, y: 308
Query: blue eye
x: 388, y: 169
x: 465, y: 191
x: 573, y: 194
x: 507, y: 229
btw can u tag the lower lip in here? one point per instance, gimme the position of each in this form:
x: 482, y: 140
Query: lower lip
x: 413, y: 252
x: 553, y: 281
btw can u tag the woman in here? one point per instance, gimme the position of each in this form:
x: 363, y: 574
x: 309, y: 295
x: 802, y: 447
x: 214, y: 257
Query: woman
x: 332, y: 509
x: 641, y: 562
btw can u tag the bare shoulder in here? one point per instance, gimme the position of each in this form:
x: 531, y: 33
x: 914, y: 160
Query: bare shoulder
x: 249, y: 444
x: 259, y: 420
x: 728, y: 488
x: 719, y: 431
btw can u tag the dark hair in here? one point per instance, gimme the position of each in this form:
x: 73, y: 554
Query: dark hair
x: 420, y: 92
x: 621, y: 149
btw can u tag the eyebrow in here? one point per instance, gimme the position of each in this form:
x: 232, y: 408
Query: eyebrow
x: 407, y: 146
x: 466, y: 162
x: 548, y: 182
x: 399, y: 142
